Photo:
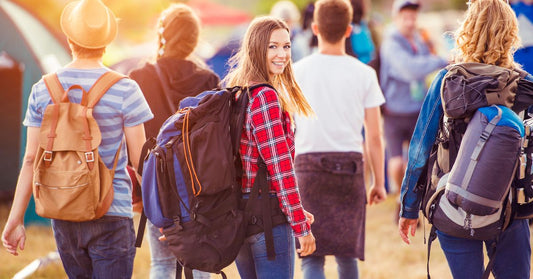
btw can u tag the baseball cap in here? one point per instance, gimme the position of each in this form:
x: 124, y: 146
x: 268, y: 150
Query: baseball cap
x: 401, y: 4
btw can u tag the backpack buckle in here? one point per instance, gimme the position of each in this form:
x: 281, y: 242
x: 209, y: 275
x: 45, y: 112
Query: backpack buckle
x: 47, y: 156
x: 89, y: 157
x: 485, y: 135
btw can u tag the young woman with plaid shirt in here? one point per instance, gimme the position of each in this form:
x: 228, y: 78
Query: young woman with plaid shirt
x: 265, y: 57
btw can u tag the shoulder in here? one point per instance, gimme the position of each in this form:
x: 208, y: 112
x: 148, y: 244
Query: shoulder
x: 263, y: 95
x: 143, y: 71
x: 40, y: 94
x: 392, y: 43
x: 440, y: 75
x: 39, y: 86
x: 363, y: 70
x: 126, y: 83
x: 263, y: 91
x: 209, y: 76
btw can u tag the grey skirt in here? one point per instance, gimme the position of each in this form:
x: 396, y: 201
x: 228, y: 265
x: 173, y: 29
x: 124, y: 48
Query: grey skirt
x: 332, y: 189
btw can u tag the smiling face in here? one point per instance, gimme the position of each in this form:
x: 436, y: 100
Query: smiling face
x: 278, y: 52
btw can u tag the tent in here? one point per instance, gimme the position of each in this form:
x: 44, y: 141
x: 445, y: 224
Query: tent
x: 28, y: 49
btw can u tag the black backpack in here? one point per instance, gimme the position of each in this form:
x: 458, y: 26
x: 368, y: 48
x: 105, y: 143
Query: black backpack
x: 191, y: 182
x: 469, y: 91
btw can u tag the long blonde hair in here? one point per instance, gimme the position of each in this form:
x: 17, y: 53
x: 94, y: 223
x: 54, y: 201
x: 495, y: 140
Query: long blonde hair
x: 249, y: 65
x: 489, y: 34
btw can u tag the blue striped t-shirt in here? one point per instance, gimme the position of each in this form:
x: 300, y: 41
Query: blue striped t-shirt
x: 123, y: 105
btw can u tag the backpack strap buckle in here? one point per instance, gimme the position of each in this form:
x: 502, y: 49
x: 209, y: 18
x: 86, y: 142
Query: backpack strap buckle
x: 89, y: 157
x: 485, y: 135
x: 47, y: 156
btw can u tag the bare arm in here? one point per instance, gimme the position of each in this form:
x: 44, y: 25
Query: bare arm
x: 14, y: 235
x: 135, y: 138
x: 376, y: 154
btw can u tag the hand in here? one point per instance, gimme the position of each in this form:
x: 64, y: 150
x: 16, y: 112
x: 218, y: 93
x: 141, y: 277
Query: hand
x: 310, y: 217
x: 162, y: 237
x: 403, y: 226
x: 13, y: 237
x: 376, y: 195
x: 307, y: 245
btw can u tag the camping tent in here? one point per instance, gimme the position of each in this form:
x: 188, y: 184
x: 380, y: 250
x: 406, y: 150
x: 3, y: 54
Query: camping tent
x: 28, y: 49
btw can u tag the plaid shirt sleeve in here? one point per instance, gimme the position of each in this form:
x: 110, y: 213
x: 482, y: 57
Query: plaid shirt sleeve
x: 267, y: 126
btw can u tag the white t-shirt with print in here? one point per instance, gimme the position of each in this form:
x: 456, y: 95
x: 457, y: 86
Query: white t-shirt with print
x: 339, y: 89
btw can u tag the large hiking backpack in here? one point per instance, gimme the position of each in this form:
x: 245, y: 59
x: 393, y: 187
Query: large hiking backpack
x: 466, y: 186
x: 190, y: 182
x: 476, y: 190
x: 71, y: 182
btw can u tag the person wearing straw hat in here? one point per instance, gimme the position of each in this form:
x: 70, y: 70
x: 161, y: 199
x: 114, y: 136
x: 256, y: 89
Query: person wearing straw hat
x: 101, y: 248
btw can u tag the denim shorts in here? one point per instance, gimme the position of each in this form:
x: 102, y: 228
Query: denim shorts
x: 102, y: 248
x: 398, y: 129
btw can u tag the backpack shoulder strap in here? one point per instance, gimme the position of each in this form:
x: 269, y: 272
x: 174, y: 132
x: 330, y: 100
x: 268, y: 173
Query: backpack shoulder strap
x: 253, y: 87
x: 521, y: 72
x: 432, y: 237
x: 55, y: 89
x: 101, y: 86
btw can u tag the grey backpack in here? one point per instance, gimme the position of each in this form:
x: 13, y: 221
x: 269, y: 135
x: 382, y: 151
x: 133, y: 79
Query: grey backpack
x: 476, y: 190
x: 466, y: 187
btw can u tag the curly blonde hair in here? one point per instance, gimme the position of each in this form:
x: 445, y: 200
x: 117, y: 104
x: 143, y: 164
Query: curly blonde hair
x: 489, y: 34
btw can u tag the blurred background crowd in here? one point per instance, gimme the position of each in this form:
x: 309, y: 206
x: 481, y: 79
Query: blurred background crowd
x: 31, y: 44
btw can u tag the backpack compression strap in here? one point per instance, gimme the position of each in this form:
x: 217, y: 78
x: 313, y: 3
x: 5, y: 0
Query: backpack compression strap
x: 55, y: 90
x: 148, y: 145
x: 261, y: 183
x: 58, y: 95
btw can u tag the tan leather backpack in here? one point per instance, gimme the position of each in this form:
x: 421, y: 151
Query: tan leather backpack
x: 70, y: 180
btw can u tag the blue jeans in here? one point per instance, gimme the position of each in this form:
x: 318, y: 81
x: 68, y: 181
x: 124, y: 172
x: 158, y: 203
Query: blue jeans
x: 163, y: 262
x: 102, y: 248
x: 313, y: 267
x: 513, y: 256
x: 252, y: 261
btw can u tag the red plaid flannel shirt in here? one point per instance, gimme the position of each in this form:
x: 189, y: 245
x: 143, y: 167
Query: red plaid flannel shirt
x: 267, y: 130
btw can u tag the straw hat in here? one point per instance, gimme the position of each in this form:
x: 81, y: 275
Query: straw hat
x: 89, y: 23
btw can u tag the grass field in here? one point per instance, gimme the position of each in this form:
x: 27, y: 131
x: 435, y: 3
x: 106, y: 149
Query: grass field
x: 386, y: 255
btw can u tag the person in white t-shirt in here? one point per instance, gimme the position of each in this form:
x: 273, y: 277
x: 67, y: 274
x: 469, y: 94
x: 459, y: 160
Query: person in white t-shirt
x: 345, y: 95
